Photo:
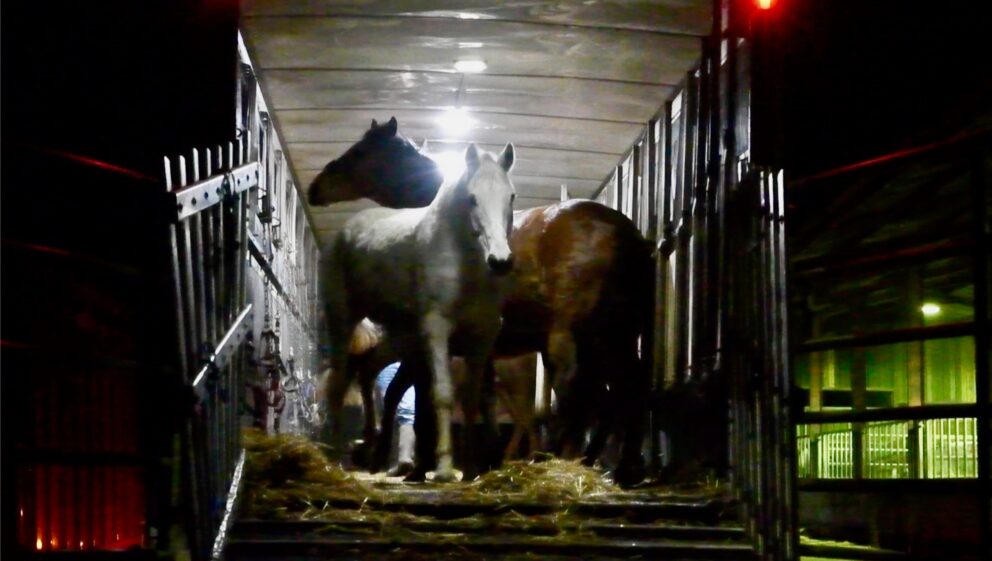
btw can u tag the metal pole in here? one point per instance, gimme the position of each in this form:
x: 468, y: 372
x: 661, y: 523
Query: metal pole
x: 981, y: 316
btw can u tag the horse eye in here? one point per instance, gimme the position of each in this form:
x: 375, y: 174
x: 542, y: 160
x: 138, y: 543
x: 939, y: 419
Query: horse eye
x: 472, y: 201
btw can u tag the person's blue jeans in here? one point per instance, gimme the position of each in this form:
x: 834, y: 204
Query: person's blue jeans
x: 406, y: 409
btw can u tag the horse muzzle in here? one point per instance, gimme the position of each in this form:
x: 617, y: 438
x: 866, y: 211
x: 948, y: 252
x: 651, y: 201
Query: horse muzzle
x: 500, y: 266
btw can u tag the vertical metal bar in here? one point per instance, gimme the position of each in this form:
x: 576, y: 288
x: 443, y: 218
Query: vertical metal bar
x: 700, y: 235
x: 764, y: 367
x: 243, y: 217
x: 217, y: 409
x: 201, y: 238
x: 618, y: 189
x: 983, y: 383
x: 682, y: 290
x: 636, y: 200
x: 777, y: 458
x: 187, y: 266
x: 666, y: 184
x: 176, y: 280
x: 652, y: 179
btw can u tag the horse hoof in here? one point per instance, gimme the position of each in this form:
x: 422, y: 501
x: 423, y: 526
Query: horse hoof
x: 416, y: 476
x: 628, y: 475
x: 377, y: 464
x: 446, y: 476
x: 401, y: 470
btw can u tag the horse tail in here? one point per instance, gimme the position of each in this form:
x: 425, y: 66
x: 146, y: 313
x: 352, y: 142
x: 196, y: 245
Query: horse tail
x: 366, y: 336
x: 323, y: 385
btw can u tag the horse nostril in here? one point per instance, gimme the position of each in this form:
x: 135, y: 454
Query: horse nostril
x: 500, y: 266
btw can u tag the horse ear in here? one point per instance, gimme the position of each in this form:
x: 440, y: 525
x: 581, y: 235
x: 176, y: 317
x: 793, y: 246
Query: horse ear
x: 374, y: 123
x: 389, y: 129
x: 471, y: 157
x: 506, y: 158
x: 423, y: 146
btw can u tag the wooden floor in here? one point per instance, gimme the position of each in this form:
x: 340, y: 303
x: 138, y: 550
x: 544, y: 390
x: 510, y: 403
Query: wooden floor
x: 438, y: 521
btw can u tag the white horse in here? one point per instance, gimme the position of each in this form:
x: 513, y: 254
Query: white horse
x: 430, y: 277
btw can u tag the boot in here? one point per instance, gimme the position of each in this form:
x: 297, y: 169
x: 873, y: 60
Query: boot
x: 404, y: 456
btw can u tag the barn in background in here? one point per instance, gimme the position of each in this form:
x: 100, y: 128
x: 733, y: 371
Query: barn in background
x: 816, y: 185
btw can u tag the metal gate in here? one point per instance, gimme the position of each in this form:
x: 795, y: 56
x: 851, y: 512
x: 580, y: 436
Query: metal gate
x: 243, y: 258
x: 719, y: 346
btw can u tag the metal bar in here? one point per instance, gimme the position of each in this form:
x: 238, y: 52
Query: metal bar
x: 764, y: 388
x: 204, y: 228
x: 700, y: 236
x: 790, y: 506
x: 176, y: 280
x: 634, y: 174
x: 227, y: 345
x: 244, y: 216
x: 944, y: 331
x: 187, y: 263
x: 932, y: 485
x: 667, y: 185
x: 230, y: 508
x: 202, y: 195
x: 652, y: 179
x: 983, y: 383
x: 956, y: 410
x: 683, y: 337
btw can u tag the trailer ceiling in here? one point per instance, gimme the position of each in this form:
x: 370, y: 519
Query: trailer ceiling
x: 570, y: 83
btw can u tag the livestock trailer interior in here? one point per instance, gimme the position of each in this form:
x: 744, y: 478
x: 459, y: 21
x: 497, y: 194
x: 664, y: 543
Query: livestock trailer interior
x: 812, y: 183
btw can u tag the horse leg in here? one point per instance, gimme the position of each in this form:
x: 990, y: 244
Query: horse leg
x: 437, y: 330
x: 366, y: 381
x: 338, y: 380
x: 603, y: 407
x: 424, y: 423
x: 487, y: 400
x: 513, y: 447
x: 477, y: 389
x: 561, y: 368
x: 632, y: 386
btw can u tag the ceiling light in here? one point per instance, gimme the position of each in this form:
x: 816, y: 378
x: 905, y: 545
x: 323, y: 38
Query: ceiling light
x: 930, y: 309
x: 452, y: 164
x: 470, y: 65
x: 455, y: 120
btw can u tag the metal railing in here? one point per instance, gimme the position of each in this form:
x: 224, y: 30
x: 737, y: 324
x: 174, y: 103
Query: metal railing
x: 904, y: 449
x: 213, y: 318
x: 243, y: 260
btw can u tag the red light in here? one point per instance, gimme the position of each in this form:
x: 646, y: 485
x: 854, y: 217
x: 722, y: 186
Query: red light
x: 765, y: 4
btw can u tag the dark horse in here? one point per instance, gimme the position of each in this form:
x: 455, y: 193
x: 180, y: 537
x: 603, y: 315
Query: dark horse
x: 579, y: 294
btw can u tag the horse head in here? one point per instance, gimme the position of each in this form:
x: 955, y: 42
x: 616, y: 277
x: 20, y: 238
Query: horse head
x: 489, y: 196
x: 384, y: 166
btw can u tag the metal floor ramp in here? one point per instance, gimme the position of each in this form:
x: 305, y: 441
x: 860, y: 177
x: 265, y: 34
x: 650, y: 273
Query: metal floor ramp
x: 437, y: 524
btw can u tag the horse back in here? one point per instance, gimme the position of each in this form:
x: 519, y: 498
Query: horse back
x: 586, y: 262
x: 368, y: 269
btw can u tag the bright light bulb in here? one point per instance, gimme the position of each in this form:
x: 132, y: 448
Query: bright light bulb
x: 452, y: 164
x: 470, y: 65
x: 930, y: 309
x: 455, y: 120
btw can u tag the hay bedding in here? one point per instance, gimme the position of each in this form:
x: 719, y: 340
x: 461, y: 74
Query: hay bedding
x: 289, y: 478
x: 548, y: 481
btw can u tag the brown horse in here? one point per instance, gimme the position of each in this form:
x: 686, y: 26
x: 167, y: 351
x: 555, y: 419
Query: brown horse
x: 579, y: 294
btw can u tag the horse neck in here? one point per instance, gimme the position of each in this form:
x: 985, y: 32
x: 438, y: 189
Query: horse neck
x: 445, y: 208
